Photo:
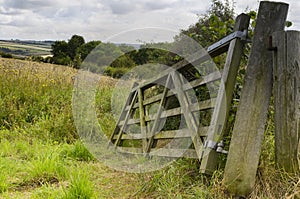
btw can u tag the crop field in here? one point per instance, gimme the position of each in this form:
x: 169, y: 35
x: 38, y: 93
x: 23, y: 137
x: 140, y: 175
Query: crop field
x: 41, y: 155
x: 25, y: 49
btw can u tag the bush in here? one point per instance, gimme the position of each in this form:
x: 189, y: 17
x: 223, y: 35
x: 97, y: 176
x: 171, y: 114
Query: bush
x: 116, y: 72
x: 6, y: 55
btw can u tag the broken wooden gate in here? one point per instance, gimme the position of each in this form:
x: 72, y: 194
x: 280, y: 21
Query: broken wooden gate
x: 182, y: 125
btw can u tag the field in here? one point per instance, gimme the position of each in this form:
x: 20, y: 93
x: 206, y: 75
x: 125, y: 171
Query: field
x: 26, y: 48
x: 41, y: 155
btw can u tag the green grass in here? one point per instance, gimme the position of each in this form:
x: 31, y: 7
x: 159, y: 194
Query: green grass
x: 41, y: 155
x: 80, y: 187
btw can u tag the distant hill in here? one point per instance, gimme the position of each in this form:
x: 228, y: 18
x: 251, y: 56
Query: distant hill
x: 26, y: 48
x: 136, y: 46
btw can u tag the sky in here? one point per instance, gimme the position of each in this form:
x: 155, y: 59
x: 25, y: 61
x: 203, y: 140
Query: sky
x: 106, y: 20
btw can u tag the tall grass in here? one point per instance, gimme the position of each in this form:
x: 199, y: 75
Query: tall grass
x: 36, y: 99
x: 46, y: 167
x: 80, y: 187
x: 39, y: 146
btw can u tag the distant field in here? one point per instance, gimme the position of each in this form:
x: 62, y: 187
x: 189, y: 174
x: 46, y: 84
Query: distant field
x: 25, y: 48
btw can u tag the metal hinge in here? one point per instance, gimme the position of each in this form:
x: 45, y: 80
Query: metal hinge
x: 218, y: 147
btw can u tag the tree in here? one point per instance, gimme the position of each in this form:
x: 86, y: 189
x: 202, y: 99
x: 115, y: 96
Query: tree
x: 60, y: 53
x: 65, y: 53
x: 215, y: 24
x: 86, y: 48
x: 59, y: 48
x: 74, y: 43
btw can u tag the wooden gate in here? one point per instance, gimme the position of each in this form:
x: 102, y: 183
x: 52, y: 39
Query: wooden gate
x: 183, y: 124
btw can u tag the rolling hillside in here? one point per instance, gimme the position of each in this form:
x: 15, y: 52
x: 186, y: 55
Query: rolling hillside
x: 26, y: 48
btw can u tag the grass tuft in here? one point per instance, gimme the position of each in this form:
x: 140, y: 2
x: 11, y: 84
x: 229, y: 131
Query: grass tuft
x: 3, y: 183
x: 80, y: 187
x: 47, y: 167
x: 77, y: 151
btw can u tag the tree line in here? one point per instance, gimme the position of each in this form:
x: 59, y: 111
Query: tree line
x: 217, y: 22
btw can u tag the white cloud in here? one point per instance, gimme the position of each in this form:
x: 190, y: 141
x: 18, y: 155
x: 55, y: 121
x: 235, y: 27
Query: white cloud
x: 99, y: 19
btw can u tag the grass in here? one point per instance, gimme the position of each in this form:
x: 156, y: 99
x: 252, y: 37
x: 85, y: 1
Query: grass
x: 80, y: 187
x: 41, y: 155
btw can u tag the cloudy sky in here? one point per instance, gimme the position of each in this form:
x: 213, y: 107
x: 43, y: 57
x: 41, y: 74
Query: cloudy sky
x: 101, y: 19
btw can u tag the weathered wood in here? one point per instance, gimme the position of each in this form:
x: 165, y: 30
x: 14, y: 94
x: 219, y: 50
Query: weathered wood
x: 175, y: 153
x: 155, y: 127
x: 123, y: 114
x: 142, y: 119
x: 196, y: 58
x: 128, y: 114
x: 162, y: 152
x: 187, y: 109
x: 245, y: 147
x: 196, y: 107
x: 194, y: 84
x: 225, y: 93
x: 191, y: 121
x: 286, y: 98
x: 202, y: 105
x: 182, y: 133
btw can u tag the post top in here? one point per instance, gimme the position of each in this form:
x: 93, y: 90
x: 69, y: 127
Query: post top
x: 275, y: 2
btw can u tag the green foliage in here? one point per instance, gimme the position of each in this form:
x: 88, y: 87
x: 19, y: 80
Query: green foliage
x: 86, y: 48
x: 3, y: 183
x: 32, y: 164
x: 181, y: 180
x: 106, y: 54
x: 74, y: 43
x: 115, y: 72
x: 124, y: 61
x: 108, y: 58
x: 47, y: 167
x: 65, y: 53
x: 60, y: 54
x: 6, y: 55
x: 77, y: 151
x: 215, y: 24
x: 80, y: 187
x: 288, y: 24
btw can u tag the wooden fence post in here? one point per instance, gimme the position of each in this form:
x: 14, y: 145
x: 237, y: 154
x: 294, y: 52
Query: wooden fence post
x: 286, y: 96
x: 245, y: 147
x: 221, y: 110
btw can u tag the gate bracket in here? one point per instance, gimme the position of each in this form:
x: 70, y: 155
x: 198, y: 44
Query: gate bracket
x: 218, y: 147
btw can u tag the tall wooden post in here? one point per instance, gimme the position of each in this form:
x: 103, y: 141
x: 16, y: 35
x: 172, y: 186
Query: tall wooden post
x: 249, y: 127
x: 286, y: 96
x: 221, y: 110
